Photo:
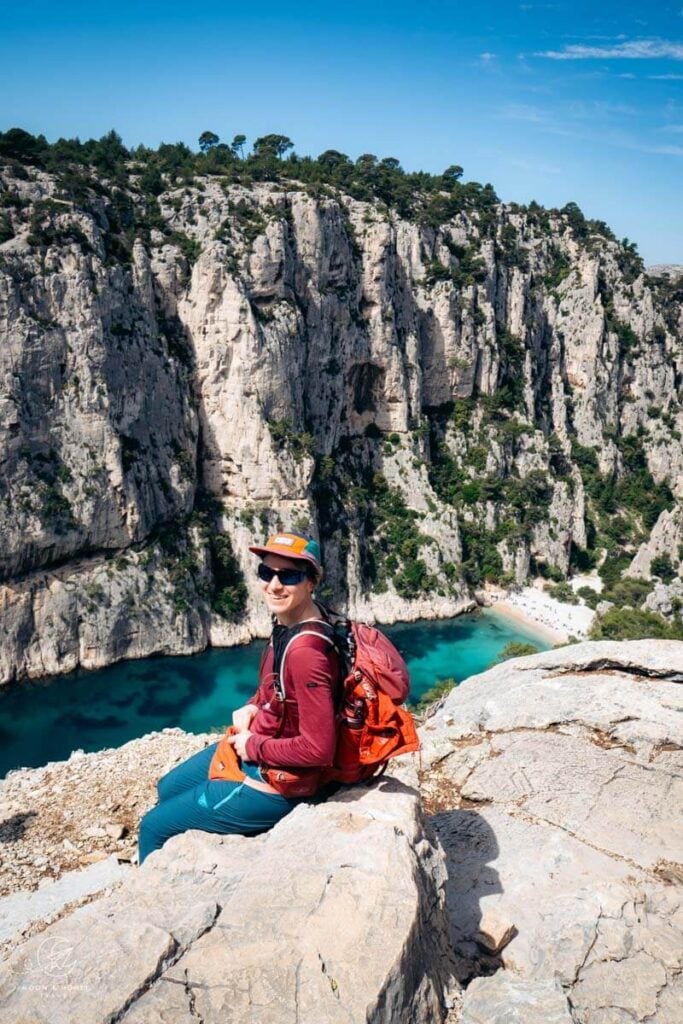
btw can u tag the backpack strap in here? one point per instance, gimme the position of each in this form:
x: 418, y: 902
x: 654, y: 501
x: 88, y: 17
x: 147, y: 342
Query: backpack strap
x: 284, y: 641
x: 342, y: 632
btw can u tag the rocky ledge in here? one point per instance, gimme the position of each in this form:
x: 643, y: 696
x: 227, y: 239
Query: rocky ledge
x: 555, y: 787
x: 338, y: 914
x: 536, y: 878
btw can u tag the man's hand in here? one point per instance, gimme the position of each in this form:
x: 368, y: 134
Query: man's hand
x: 242, y: 718
x: 239, y: 742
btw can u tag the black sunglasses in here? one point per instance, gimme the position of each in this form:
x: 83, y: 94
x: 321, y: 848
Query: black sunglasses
x: 287, y: 577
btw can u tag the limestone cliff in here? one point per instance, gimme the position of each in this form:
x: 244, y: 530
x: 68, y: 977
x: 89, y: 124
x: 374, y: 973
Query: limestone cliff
x: 184, y: 367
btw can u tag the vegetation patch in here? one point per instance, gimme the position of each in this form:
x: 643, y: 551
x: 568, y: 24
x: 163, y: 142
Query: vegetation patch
x: 228, y: 594
x: 560, y: 269
x: 399, y: 542
x: 434, y: 694
x: 180, y: 560
x: 431, y: 199
x: 634, y: 624
x: 517, y: 649
x: 229, y: 598
x: 285, y: 438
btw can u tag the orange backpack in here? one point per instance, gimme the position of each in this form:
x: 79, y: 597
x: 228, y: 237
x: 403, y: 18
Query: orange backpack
x: 372, y: 726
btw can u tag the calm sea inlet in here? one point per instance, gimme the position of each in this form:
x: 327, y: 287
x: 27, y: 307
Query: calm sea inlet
x: 45, y: 720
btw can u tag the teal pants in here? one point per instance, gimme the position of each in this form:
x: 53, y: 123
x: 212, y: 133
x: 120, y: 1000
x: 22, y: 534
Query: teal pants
x: 189, y: 799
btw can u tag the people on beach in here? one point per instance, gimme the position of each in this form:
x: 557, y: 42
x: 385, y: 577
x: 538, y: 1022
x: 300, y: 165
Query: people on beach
x: 287, y: 729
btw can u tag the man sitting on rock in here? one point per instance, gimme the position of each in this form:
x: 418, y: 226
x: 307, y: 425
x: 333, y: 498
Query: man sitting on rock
x: 289, y: 724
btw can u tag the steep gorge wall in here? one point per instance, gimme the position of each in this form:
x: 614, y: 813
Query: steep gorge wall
x: 422, y: 397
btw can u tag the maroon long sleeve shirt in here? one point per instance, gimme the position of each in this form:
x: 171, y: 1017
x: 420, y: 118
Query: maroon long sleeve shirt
x: 308, y: 737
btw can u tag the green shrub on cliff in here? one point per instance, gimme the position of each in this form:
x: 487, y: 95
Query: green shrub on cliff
x: 470, y: 267
x: 285, y: 438
x: 55, y: 510
x: 636, y: 488
x: 230, y: 592
x: 614, y: 564
x: 6, y: 231
x: 627, y: 591
x: 560, y: 268
x: 190, y: 247
x: 435, y: 272
x: 634, y: 624
x: 627, y: 502
x: 590, y: 597
x: 432, y: 199
x: 517, y: 649
x: 662, y: 567
x: 463, y: 410
x: 563, y: 592
x: 481, y: 560
x: 397, y: 555
x: 413, y: 579
x: 434, y: 693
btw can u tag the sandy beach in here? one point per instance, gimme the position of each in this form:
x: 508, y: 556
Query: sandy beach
x: 538, y: 610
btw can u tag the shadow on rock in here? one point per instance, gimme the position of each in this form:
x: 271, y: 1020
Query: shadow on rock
x: 471, y: 847
x: 386, y: 784
x: 13, y: 829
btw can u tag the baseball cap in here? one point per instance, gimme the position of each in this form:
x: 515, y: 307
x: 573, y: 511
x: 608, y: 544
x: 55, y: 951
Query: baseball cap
x: 291, y: 545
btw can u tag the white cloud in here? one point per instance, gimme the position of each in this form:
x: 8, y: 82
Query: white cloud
x: 595, y: 109
x: 523, y: 112
x: 665, y: 150
x: 486, y: 58
x: 625, y: 142
x: 636, y: 49
x: 666, y: 78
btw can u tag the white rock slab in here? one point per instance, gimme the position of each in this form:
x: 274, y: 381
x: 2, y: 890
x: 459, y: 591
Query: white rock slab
x: 336, y: 915
x: 560, y: 783
x: 505, y: 999
x: 22, y: 908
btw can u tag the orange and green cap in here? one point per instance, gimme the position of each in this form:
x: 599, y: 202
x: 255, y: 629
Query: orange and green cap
x: 291, y: 545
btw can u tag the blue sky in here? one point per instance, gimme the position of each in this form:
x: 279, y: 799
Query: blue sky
x: 548, y: 101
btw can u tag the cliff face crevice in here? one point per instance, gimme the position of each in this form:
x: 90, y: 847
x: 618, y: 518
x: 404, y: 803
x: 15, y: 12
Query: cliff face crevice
x: 421, y: 396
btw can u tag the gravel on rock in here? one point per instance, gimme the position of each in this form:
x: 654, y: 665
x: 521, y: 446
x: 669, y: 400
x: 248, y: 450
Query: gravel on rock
x: 71, y: 813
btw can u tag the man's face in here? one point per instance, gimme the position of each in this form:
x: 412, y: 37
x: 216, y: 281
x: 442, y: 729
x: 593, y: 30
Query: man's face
x: 286, y: 602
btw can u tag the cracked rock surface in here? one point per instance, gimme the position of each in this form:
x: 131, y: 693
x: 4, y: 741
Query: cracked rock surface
x: 556, y: 782
x: 336, y: 915
x: 551, y: 890
x: 67, y: 814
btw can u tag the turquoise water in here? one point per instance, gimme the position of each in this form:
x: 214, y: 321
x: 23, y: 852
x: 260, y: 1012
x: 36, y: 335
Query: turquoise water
x: 45, y: 720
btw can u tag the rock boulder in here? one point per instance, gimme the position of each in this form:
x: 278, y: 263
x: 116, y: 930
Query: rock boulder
x: 336, y: 915
x: 542, y: 875
x: 557, y: 791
